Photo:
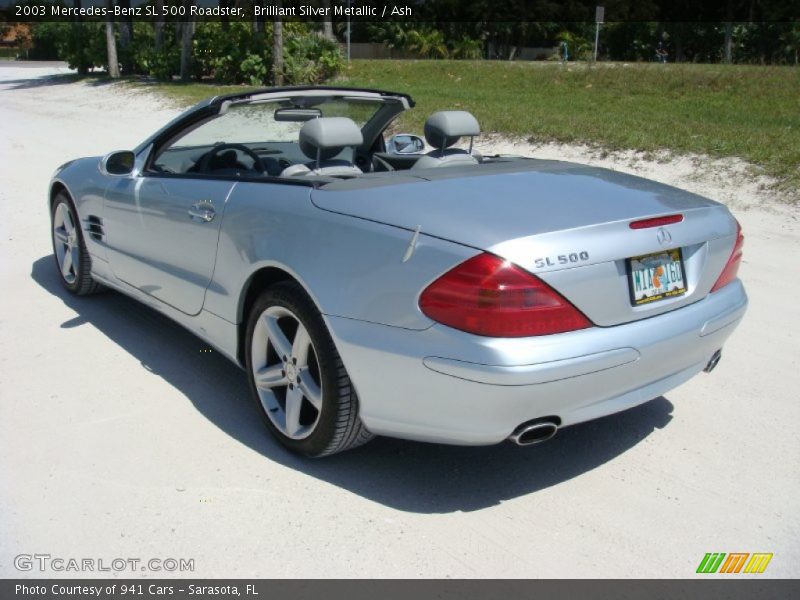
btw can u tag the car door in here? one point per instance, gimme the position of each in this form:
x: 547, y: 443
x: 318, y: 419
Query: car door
x: 162, y: 235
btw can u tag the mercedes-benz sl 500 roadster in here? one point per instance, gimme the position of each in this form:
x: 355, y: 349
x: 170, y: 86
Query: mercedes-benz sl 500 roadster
x: 378, y: 284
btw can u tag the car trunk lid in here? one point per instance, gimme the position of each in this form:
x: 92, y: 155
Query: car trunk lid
x: 569, y: 224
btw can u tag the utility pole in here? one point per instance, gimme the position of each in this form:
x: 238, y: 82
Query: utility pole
x: 598, y: 19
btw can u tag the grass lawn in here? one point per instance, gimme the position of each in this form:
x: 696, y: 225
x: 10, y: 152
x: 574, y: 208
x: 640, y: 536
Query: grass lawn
x: 751, y: 112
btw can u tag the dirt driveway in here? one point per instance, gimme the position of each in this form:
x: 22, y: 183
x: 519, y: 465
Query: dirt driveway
x: 120, y: 437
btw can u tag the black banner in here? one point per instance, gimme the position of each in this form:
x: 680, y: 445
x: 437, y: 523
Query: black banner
x: 733, y: 588
x: 428, y: 11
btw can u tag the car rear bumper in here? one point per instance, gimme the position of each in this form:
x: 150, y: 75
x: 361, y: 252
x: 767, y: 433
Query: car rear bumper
x: 444, y: 385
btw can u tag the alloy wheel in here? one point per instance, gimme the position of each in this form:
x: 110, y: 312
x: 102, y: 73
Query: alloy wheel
x: 286, y: 372
x: 65, y: 238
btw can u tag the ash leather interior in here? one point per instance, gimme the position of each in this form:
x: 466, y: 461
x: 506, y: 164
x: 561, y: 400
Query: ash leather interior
x: 444, y: 129
x: 321, y: 140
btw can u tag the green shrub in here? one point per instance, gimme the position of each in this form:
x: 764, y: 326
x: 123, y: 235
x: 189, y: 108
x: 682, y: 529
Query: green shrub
x: 83, y: 46
x: 220, y: 51
x: 466, y: 48
x: 227, y: 54
x: 310, y: 58
x: 579, y: 48
x: 254, y: 69
x: 427, y: 43
x: 163, y: 64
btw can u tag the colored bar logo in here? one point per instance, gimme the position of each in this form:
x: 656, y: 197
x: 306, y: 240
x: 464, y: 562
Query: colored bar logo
x: 736, y: 562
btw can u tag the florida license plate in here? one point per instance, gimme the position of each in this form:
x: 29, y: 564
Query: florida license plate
x: 656, y: 276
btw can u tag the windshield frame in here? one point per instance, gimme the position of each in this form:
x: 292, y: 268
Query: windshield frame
x: 391, y: 105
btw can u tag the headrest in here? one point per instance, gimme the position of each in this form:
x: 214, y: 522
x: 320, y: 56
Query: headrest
x: 443, y: 128
x: 329, y: 135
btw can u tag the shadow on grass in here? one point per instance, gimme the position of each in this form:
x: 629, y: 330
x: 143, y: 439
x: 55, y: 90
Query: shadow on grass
x: 408, y: 476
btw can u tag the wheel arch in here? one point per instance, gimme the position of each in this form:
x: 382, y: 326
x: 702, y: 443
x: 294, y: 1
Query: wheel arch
x: 259, y: 281
x: 57, y: 187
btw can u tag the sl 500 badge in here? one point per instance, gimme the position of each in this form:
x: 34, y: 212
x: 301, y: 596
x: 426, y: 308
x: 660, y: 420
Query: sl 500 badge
x: 561, y: 259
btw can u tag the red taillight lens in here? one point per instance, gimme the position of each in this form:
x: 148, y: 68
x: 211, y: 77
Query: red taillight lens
x: 489, y: 296
x: 732, y: 266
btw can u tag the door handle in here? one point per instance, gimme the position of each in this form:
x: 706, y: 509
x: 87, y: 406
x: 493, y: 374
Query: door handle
x: 202, y: 211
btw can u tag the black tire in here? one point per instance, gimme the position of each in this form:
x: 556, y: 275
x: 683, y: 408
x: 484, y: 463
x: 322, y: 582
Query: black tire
x: 339, y: 426
x: 82, y: 283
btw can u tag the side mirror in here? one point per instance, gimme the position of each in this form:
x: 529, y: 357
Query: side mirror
x: 118, y: 163
x: 405, y: 143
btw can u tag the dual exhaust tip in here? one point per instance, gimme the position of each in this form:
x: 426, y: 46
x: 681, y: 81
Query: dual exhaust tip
x: 535, y: 432
x: 541, y: 430
x: 715, y: 358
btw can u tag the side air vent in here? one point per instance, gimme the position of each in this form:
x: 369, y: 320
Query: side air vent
x: 94, y: 225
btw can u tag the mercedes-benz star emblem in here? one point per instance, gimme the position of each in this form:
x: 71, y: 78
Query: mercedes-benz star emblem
x: 663, y: 236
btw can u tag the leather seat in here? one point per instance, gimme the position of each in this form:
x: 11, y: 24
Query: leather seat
x: 443, y: 129
x: 320, y: 140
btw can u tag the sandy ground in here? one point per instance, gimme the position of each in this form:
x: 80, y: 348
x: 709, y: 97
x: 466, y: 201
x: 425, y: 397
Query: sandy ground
x: 119, y: 438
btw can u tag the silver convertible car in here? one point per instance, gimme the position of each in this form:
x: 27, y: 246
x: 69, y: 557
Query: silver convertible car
x: 377, y: 284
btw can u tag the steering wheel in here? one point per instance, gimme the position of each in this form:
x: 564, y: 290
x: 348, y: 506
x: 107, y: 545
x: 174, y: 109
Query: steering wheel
x: 206, y: 160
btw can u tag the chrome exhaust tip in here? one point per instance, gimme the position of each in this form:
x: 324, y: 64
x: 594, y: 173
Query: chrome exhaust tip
x: 534, y: 433
x: 715, y: 358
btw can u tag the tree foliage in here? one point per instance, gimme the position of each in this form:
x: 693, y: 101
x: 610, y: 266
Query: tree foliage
x: 426, y: 40
x: 752, y: 42
x: 228, y: 53
x: 233, y: 51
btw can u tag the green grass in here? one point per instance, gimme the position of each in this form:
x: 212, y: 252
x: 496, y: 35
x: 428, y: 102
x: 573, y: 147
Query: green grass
x: 751, y: 112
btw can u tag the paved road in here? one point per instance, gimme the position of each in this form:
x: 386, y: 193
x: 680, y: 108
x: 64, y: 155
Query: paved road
x: 120, y: 437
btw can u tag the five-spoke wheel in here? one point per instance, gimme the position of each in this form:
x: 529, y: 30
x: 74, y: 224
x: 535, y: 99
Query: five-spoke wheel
x: 65, y: 241
x: 286, y: 372
x: 297, y: 376
x: 72, y: 257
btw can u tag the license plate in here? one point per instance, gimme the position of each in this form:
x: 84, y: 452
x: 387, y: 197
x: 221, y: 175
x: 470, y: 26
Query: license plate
x: 656, y: 276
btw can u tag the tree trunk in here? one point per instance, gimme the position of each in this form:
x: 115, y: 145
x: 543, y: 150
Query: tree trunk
x: 187, y: 30
x: 158, y: 25
x: 679, y: 54
x: 82, y: 67
x: 727, y: 50
x: 327, y: 24
x: 277, y: 51
x: 125, y: 38
x: 225, y: 20
x: 111, y: 44
x: 258, y: 27
x: 728, y: 42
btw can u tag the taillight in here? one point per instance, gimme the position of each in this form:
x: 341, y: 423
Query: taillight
x: 732, y: 266
x: 489, y: 296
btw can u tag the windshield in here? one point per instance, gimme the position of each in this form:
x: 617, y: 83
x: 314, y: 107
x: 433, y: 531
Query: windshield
x: 256, y: 122
x: 260, y: 135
